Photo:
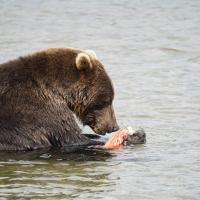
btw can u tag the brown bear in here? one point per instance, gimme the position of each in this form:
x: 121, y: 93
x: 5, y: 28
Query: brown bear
x: 41, y: 92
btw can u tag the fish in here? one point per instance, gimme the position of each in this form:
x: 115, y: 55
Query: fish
x: 116, y: 142
x: 121, y: 138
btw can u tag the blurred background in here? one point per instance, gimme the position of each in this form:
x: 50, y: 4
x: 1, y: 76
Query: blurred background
x: 151, y: 50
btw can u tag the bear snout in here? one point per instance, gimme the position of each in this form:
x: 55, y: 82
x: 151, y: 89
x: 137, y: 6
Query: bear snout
x: 105, y: 121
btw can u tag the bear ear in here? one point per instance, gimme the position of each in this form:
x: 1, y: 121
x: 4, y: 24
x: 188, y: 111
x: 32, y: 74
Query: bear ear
x: 91, y: 53
x: 83, y: 61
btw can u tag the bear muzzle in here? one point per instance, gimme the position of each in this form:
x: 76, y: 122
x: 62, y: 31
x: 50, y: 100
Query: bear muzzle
x: 105, y: 121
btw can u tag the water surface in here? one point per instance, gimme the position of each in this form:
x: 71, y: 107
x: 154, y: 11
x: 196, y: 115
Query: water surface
x: 151, y: 50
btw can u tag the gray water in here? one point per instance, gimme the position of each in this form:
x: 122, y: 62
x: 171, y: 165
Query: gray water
x: 151, y: 50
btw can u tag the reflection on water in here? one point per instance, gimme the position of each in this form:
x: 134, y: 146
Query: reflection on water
x: 151, y: 50
x: 53, y: 178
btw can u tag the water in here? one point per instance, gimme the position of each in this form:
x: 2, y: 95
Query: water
x: 151, y: 50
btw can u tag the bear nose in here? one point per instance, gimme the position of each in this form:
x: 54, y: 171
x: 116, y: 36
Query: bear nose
x: 115, y: 128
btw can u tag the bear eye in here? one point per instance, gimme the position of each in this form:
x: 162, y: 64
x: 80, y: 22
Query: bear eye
x: 101, y: 105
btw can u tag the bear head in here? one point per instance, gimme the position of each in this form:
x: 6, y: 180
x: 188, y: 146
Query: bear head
x: 90, y: 95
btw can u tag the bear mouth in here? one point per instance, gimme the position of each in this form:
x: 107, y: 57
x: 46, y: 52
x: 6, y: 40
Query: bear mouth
x: 98, y: 131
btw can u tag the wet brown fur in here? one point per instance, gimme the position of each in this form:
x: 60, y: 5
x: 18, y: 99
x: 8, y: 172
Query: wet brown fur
x: 39, y: 94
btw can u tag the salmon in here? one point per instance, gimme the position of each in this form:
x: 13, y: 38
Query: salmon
x: 116, y: 142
